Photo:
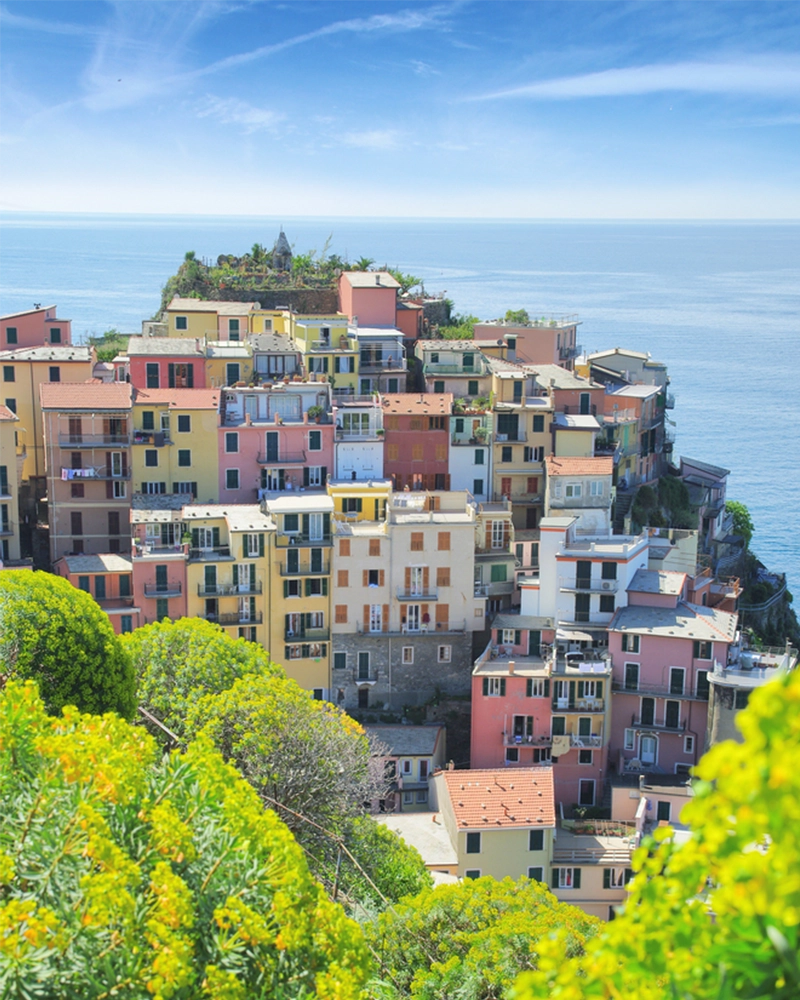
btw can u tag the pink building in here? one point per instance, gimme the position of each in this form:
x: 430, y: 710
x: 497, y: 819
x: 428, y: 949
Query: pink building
x: 663, y: 650
x: 108, y: 578
x: 536, y: 342
x: 166, y: 363
x: 158, y: 556
x: 33, y: 328
x: 274, y: 440
x: 369, y: 298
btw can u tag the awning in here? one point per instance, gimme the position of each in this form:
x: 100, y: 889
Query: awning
x: 563, y: 633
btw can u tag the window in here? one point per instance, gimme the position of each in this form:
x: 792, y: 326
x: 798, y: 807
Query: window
x: 231, y: 442
x: 185, y: 424
x: 317, y: 587
x: 83, y: 584
x: 151, y: 459
x: 55, y: 335
x: 688, y: 744
x: 536, y: 874
x: 151, y: 375
x: 363, y: 669
x: 472, y: 873
x: 126, y: 623
x: 616, y: 878
x: 444, y: 541
x: 152, y: 487
x: 232, y: 374
x: 573, y: 490
x: 506, y: 453
x: 184, y: 458
x: 494, y: 687
x: 536, y: 687
x: 445, y: 653
x: 408, y: 654
x: 672, y: 714
x: 421, y: 796
x: 314, y: 475
x: 607, y: 603
x: 8, y: 373
x: 630, y: 643
x: 541, y: 755
x: 181, y: 323
x: 233, y: 329
x: 702, y: 684
x: 291, y: 588
x: 499, y: 573
x: 100, y: 588
x: 351, y: 505
x: 113, y: 522
x: 512, y: 755
x: 566, y: 878
x: 596, y: 488
x: 443, y: 576
x: 315, y: 440
x: 185, y: 487
x: 498, y: 534
x: 609, y: 572
x: 436, y: 424
x: 76, y: 489
x: 373, y: 577
x: 339, y: 661
x: 473, y: 843
x: 340, y: 614
x: 76, y: 522
x: 536, y: 840
x: 676, y: 677
x: 702, y: 650
x: 629, y: 739
x: 584, y: 756
x: 740, y: 699
x: 11, y: 335
x: 148, y: 420
x: 55, y: 373
x: 162, y: 608
x: 344, y: 543
x: 253, y: 545
x: 472, y: 387
x: 534, y: 454
x: 477, y: 487
x: 342, y: 578
x: 231, y: 479
x: 417, y: 542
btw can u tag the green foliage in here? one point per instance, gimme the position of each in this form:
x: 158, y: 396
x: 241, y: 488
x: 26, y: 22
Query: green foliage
x: 306, y: 758
x: 126, y: 874
x: 742, y: 522
x: 109, y: 344
x: 362, y: 264
x: 177, y: 663
x: 460, y: 328
x: 59, y: 636
x: 666, y: 506
x: 395, y: 868
x: 470, y: 940
x: 741, y: 864
x: 406, y: 281
x: 519, y: 316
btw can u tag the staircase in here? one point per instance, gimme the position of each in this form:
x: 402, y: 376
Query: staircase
x: 622, y: 506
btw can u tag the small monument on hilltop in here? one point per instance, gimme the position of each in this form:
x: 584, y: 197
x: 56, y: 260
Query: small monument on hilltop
x: 282, y: 253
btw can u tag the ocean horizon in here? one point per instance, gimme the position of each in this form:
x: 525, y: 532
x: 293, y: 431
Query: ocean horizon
x: 717, y: 301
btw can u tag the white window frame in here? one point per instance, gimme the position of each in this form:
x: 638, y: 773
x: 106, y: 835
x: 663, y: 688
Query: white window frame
x: 376, y: 617
x: 512, y: 755
x: 573, y: 491
x: 537, y: 687
x: 596, y: 488
x: 316, y: 619
x: 407, y: 656
x: 509, y: 634
x: 421, y: 796
x: 688, y: 745
x: 629, y: 739
x: 565, y: 878
x: 228, y: 436
x: 498, y: 534
x: 444, y: 654
x: 630, y: 642
x: 315, y: 475
x: 493, y: 687
x: 238, y: 479
x: 119, y: 489
x: 536, y: 878
x: 294, y: 583
x: 616, y: 878
x: 251, y: 546
x: 407, y: 767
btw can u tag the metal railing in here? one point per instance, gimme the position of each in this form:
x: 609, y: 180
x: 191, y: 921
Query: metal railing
x: 218, y: 552
x: 323, y: 570
x: 235, y: 618
x: 162, y: 590
x: 301, y: 538
x: 638, y: 723
x: 285, y: 458
x: 307, y: 635
x: 414, y: 595
x: 399, y: 628
x: 660, y: 691
x: 93, y: 440
x: 228, y: 589
x: 96, y: 472
x: 585, y: 584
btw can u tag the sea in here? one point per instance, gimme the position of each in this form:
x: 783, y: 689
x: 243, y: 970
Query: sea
x: 718, y: 303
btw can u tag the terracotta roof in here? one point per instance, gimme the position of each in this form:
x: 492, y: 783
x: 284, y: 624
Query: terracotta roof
x: 85, y: 395
x: 6, y: 414
x: 502, y: 799
x: 180, y: 399
x: 572, y: 466
x: 418, y: 402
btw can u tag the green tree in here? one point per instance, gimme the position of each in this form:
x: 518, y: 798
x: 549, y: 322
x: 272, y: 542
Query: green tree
x: 517, y: 316
x: 469, y: 940
x: 363, y: 264
x: 394, y: 869
x: 306, y: 758
x: 60, y: 637
x: 127, y: 874
x: 178, y: 662
x: 406, y: 281
x: 717, y: 917
x: 742, y: 522
x: 460, y: 328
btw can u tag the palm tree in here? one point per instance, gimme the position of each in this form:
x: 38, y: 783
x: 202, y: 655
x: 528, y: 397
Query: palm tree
x: 363, y: 264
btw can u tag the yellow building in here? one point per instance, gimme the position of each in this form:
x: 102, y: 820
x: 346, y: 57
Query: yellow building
x: 209, y: 319
x: 227, y: 578
x: 270, y: 321
x: 299, y: 605
x: 175, y: 442
x: 229, y: 364
x: 494, y: 554
x: 23, y: 371
x: 329, y: 348
x: 9, y: 489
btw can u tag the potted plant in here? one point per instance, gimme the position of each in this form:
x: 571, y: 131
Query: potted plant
x: 481, y: 434
x: 315, y: 413
x: 379, y: 432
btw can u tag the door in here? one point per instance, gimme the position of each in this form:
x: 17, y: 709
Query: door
x: 647, y: 750
x: 246, y: 576
x: 251, y: 407
x: 583, y: 574
x: 534, y: 642
x: 161, y: 578
x: 210, y: 580
x: 663, y: 810
x: 585, y: 402
x: 648, y: 711
x: 232, y: 372
x: 507, y: 426
x: 582, y: 605
x: 412, y: 618
x: 316, y: 525
x: 673, y: 714
x: 415, y: 581
x: 561, y: 693
x: 272, y: 446
x: 530, y: 518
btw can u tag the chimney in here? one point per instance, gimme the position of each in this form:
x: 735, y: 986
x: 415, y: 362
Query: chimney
x: 451, y: 765
x: 511, y: 665
x: 377, y: 279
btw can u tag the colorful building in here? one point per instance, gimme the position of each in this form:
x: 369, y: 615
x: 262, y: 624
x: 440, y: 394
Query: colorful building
x: 580, y: 488
x: 108, y: 578
x: 159, y: 554
x: 412, y: 755
x: 10, y: 463
x: 543, y: 341
x: 209, y: 319
x: 34, y: 328
x: 369, y: 298
x: 417, y: 440
x: 165, y: 363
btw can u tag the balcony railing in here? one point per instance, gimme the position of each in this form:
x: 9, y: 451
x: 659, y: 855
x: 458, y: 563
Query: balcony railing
x: 301, y: 538
x: 162, y: 590
x: 399, y: 628
x: 593, y: 740
x: 580, y: 502
x: 323, y: 570
x: 95, y: 472
x: 284, y: 458
x: 94, y: 440
x: 235, y: 618
x: 513, y: 438
x: 638, y: 723
x: 307, y: 635
x: 510, y: 740
x: 371, y: 364
x: 228, y: 589
x: 5, y: 491
x: 659, y: 691
x: 589, y: 585
x: 210, y: 554
x: 410, y: 596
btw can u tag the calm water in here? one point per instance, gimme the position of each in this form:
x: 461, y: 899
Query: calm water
x: 718, y: 303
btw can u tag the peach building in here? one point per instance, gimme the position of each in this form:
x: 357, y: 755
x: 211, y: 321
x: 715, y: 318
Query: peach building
x: 166, y: 363
x: 417, y: 440
x: 159, y: 555
x: 369, y: 298
x: 34, y: 328
x: 108, y: 578
x: 545, y: 341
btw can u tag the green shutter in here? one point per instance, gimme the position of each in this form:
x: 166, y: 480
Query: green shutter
x: 261, y: 545
x: 572, y: 694
x: 215, y: 537
x: 235, y: 575
x: 517, y: 637
x: 308, y: 587
x: 253, y: 575
x: 628, y: 875
x: 326, y: 524
x: 285, y: 588
x: 324, y: 587
x: 576, y: 878
x: 606, y: 878
x: 554, y: 878
x: 306, y: 522
x: 486, y: 686
x: 547, y: 687
x: 580, y: 689
x: 195, y: 538
x: 502, y: 687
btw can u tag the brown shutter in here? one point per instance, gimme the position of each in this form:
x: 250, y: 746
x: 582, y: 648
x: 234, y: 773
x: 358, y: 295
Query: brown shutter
x: 344, y: 547
x: 342, y: 578
x: 366, y: 617
x: 426, y: 579
x: 442, y: 614
x: 403, y: 613
x: 109, y: 490
x: 365, y: 577
x: 424, y: 609
x: 381, y: 577
x: 407, y: 589
x: 341, y: 613
x: 385, y: 614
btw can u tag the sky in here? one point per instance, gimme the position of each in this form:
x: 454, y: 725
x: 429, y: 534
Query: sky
x: 409, y: 109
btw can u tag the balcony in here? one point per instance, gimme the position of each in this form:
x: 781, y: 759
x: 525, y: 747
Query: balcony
x: 302, y: 538
x: 373, y: 434
x: 369, y: 363
x: 590, y: 741
x: 5, y: 491
x: 658, y: 691
x: 110, y: 603
x: 94, y: 472
x: 587, y: 585
x: 307, y: 635
x: 624, y: 416
x: 580, y: 503
x: 663, y: 726
x: 510, y: 740
x: 285, y: 458
x: 235, y: 618
x: 334, y: 346
x: 228, y: 589
x: 399, y: 628
x: 151, y: 550
x: 210, y: 554
x: 94, y: 441
x: 414, y: 596
x: 323, y: 570
x: 519, y: 437
x: 161, y: 590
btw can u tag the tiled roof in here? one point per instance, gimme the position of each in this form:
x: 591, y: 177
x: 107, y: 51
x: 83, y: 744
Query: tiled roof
x: 502, y: 799
x: 657, y: 581
x: 574, y: 466
x: 85, y: 395
x: 106, y: 562
x: 65, y: 352
x: 180, y: 399
x: 164, y: 347
x: 370, y: 279
x: 433, y: 403
x: 686, y: 621
x: 212, y: 305
x: 408, y: 741
x: 6, y: 414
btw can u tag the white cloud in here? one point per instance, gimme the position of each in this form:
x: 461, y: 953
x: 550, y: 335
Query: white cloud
x: 231, y: 111
x: 424, y: 69
x: 712, y: 78
x: 376, y: 139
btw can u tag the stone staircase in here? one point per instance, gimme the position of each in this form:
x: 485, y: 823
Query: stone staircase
x: 622, y: 506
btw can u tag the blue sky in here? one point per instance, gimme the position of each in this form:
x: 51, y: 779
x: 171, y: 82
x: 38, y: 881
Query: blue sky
x: 486, y: 109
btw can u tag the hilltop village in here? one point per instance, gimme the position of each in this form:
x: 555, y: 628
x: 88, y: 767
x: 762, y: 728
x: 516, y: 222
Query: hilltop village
x: 443, y: 537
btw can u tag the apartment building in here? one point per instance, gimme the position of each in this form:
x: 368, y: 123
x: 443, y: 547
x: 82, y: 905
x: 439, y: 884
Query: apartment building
x: 404, y: 606
x: 645, y: 403
x: 416, y: 427
x: 209, y: 319
x: 165, y: 363
x: 35, y: 327
x: 540, y: 341
x: 369, y: 298
x: 329, y: 349
x: 413, y: 754
x: 87, y: 437
x: 159, y: 553
x: 381, y: 360
x: 471, y: 453
x: 494, y: 554
x: 580, y: 488
x: 359, y: 438
x: 10, y: 462
x: 276, y: 356
x: 176, y: 442
x: 459, y: 367
x: 108, y: 577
